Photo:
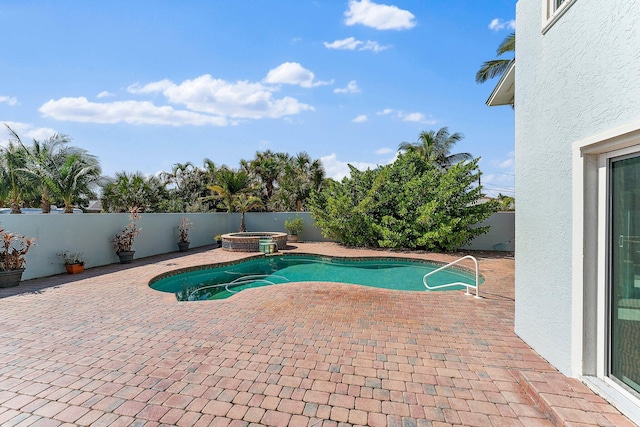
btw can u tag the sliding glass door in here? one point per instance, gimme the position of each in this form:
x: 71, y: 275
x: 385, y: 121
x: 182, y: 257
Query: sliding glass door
x: 624, y: 272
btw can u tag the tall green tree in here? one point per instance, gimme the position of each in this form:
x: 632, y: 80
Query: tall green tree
x: 302, y: 176
x: 60, y: 172
x: 227, y: 183
x: 183, y: 187
x: 435, y: 147
x: 127, y: 191
x: 17, y: 184
x: 497, y: 67
x: 44, y: 158
x: 75, y: 179
x: 268, y: 168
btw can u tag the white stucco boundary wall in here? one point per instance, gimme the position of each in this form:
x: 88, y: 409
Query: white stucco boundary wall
x: 501, y: 236
x: 91, y: 234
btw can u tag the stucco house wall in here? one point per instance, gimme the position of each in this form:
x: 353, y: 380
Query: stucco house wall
x: 580, y: 78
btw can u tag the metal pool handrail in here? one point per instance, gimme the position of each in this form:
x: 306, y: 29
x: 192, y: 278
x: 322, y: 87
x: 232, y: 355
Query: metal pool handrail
x: 431, y: 288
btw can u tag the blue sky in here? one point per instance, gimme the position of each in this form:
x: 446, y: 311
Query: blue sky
x: 147, y: 84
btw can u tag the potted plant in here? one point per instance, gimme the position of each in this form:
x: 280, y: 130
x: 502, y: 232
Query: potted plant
x: 123, y: 241
x: 73, y: 261
x: 294, y: 226
x: 12, y: 257
x: 183, y: 234
x: 219, y: 240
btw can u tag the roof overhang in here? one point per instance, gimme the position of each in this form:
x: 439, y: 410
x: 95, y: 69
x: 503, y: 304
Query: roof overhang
x: 503, y: 93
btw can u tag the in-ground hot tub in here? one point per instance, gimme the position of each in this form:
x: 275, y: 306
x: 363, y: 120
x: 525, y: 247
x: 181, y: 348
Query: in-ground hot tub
x: 250, y: 242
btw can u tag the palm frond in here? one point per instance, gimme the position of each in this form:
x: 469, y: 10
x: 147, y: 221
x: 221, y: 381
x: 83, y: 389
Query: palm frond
x: 508, y: 44
x: 491, y: 69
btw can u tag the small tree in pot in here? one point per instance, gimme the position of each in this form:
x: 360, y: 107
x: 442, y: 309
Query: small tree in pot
x: 123, y: 241
x: 294, y: 226
x: 183, y: 234
x: 12, y: 257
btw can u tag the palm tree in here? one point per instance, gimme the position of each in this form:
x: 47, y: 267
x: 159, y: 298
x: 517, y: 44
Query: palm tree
x: 228, y: 182
x: 268, y: 168
x: 74, y: 179
x: 177, y: 175
x: 42, y: 155
x: 128, y: 191
x: 435, y: 147
x: 243, y: 203
x: 301, y: 177
x: 507, y: 203
x: 59, y: 171
x: 497, y: 67
x: 16, y: 182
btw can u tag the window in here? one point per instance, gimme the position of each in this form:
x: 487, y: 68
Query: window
x: 552, y: 11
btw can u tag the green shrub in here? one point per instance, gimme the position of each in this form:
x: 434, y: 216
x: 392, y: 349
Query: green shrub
x: 409, y: 204
x: 294, y: 225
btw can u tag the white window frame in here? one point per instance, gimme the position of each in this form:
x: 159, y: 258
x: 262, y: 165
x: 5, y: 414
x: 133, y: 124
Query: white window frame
x: 590, y: 258
x: 551, y: 12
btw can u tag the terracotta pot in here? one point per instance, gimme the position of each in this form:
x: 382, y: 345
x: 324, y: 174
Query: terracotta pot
x: 293, y: 238
x: 74, y: 268
x: 126, y: 257
x: 10, y: 278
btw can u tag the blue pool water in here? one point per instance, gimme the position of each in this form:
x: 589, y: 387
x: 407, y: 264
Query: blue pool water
x: 225, y: 280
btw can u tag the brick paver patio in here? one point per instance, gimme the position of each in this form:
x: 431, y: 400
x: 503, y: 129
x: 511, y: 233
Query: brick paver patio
x: 103, y: 349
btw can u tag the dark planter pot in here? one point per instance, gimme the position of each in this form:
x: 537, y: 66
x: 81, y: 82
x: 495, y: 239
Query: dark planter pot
x: 10, y: 278
x: 126, y: 257
x: 219, y: 242
x: 74, y: 268
x: 183, y: 246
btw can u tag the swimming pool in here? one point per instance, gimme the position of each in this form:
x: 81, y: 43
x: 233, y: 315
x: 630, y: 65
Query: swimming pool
x: 224, y: 280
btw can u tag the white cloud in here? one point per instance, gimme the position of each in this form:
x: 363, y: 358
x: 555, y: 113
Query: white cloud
x: 207, y: 101
x: 105, y: 94
x: 345, y: 44
x: 218, y: 97
x: 293, y: 73
x: 506, y: 164
x: 498, y: 24
x: 154, y: 87
x: 133, y: 112
x: 412, y: 117
x: 408, y: 117
x: 360, y: 119
x: 352, y: 87
x: 338, y: 169
x: 416, y: 117
x: 26, y: 132
x: 378, y: 16
x: 374, y: 46
x: 352, y: 44
x: 9, y: 100
x: 385, y: 150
